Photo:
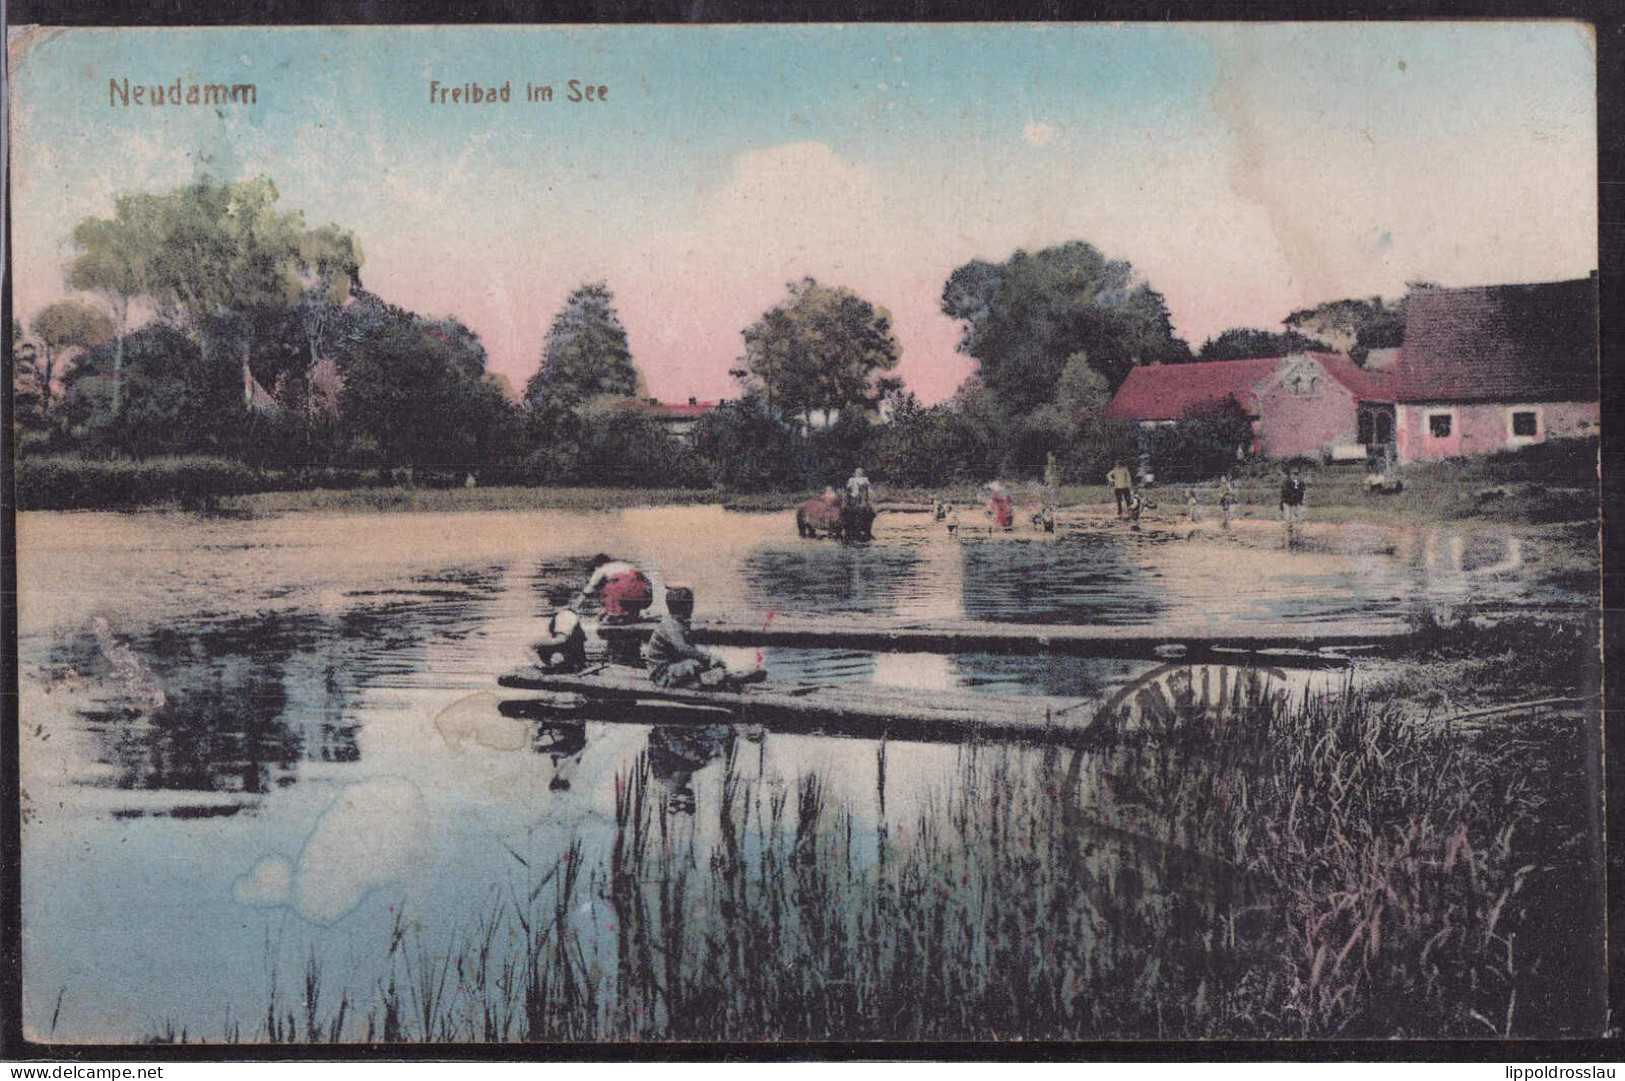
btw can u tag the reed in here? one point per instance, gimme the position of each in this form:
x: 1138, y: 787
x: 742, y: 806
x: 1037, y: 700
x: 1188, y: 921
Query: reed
x: 1235, y: 865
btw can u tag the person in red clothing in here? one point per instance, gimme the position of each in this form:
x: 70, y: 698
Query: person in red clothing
x: 999, y: 507
x: 623, y: 588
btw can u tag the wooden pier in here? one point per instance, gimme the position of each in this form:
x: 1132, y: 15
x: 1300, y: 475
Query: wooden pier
x: 1296, y: 645
x: 862, y: 710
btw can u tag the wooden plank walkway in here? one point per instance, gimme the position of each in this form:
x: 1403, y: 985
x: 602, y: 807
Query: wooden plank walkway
x: 860, y: 709
x: 1312, y: 645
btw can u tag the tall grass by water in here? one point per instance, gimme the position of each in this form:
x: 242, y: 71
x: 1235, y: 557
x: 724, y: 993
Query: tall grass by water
x: 1247, y: 866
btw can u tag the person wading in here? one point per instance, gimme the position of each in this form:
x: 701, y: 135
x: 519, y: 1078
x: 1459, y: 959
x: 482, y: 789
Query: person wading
x: 1292, y: 492
x: 1122, y: 483
x: 857, y: 489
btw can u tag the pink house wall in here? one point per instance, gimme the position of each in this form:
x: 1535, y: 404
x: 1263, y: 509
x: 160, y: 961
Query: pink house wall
x: 1291, y: 424
x: 1484, y: 427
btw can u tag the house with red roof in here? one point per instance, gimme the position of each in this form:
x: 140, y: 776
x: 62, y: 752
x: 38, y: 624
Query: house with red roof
x: 678, y: 418
x: 1305, y: 404
x: 1481, y: 369
x: 1497, y: 367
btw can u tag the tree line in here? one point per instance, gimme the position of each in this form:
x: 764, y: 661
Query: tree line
x: 206, y: 320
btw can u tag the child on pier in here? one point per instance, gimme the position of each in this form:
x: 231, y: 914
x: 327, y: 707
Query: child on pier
x: 677, y: 662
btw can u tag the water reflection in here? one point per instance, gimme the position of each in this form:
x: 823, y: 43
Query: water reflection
x: 824, y: 578
x: 677, y: 752
x: 563, y: 743
x: 1079, y: 578
x: 243, y: 701
x: 299, y: 657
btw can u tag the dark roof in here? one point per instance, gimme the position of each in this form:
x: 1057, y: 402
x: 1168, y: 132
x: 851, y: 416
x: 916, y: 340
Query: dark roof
x: 1513, y: 343
x: 1172, y: 391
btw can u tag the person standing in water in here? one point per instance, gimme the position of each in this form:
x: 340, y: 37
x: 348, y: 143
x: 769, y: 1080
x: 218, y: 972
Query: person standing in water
x: 857, y: 489
x: 1292, y: 493
x: 1122, y: 483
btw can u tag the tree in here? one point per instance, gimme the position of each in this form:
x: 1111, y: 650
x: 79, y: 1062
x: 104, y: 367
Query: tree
x: 217, y: 259
x: 225, y: 255
x: 165, y: 399
x: 823, y: 349
x: 328, y: 269
x: 1093, y: 443
x: 745, y: 446
x: 585, y: 355
x: 27, y: 396
x: 62, y: 328
x: 1354, y: 326
x: 1026, y: 316
x: 416, y: 389
x: 1248, y: 343
x: 1209, y: 439
x: 113, y: 260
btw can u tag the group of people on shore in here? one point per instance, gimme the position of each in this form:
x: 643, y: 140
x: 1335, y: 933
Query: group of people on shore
x: 1131, y: 499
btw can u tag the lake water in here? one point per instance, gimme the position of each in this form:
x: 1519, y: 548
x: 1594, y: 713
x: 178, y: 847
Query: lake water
x: 243, y: 741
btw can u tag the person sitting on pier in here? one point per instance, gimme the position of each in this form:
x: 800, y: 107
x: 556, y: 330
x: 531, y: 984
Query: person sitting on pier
x: 624, y: 589
x: 564, y: 649
x: 674, y: 659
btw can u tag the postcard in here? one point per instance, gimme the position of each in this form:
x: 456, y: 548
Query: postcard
x: 746, y: 533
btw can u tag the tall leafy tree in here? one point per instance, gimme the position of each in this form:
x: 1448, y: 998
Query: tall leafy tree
x: 825, y: 348
x: 226, y: 256
x: 113, y: 261
x: 417, y: 390
x: 585, y: 354
x: 327, y: 265
x: 63, y: 328
x: 1023, y: 318
x: 170, y: 398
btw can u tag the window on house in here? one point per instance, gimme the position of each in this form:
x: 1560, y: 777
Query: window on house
x: 1439, y: 425
x: 1525, y: 424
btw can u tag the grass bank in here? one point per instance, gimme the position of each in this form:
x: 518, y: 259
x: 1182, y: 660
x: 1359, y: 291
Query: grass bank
x: 1305, y: 869
x: 1554, y: 482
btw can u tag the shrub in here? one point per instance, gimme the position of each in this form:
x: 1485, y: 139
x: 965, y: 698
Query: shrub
x: 63, y: 483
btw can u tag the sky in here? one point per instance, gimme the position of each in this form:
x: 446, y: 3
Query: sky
x: 1245, y: 171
